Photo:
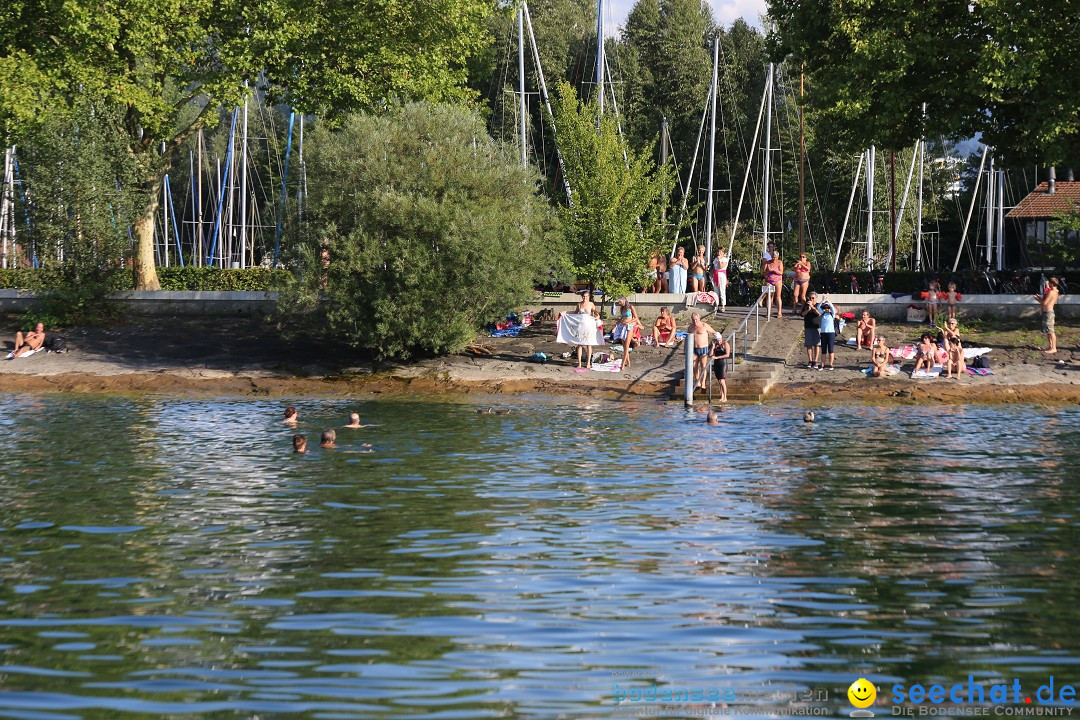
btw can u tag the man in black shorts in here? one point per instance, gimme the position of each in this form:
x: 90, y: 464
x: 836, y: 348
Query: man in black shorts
x: 811, y: 323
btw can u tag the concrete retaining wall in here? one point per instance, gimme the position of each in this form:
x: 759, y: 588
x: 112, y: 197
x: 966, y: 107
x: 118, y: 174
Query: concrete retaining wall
x: 167, y: 302
x: 884, y: 307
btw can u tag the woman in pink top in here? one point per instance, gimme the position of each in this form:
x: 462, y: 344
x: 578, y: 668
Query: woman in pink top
x: 774, y: 277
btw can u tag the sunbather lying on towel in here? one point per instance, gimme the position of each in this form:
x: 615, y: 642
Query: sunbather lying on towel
x: 30, y: 342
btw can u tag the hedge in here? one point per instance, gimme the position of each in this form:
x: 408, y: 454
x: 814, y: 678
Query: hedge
x: 172, y: 278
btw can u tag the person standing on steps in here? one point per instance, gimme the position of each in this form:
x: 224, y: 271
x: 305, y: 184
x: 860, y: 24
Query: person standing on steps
x: 720, y: 279
x: 701, y: 333
x: 1047, y: 300
x: 719, y: 352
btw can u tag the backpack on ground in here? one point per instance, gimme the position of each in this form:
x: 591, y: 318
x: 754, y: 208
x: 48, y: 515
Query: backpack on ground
x: 55, y: 343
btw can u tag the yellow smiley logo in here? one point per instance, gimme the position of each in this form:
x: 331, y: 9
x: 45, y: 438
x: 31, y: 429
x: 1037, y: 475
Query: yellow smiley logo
x: 862, y: 693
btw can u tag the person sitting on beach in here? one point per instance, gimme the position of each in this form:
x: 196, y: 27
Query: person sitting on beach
x: 329, y: 437
x: 663, y: 331
x: 30, y: 342
x: 865, y: 330
x: 701, y: 333
x: 719, y: 352
x: 299, y: 443
x: 291, y: 416
x: 925, y: 354
x: 628, y: 330
x: 949, y: 334
x: 879, y: 357
x: 952, y: 300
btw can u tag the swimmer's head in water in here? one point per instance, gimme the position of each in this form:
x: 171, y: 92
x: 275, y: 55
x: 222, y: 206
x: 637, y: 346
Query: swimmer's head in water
x: 290, y: 412
x: 354, y: 419
x: 328, y: 436
x: 712, y: 418
x: 808, y: 416
x: 299, y: 443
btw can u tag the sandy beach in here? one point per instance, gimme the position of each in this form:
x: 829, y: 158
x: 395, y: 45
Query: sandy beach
x: 247, y: 357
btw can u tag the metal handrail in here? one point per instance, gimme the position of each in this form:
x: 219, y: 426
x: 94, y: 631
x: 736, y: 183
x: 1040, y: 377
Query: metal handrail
x: 744, y: 327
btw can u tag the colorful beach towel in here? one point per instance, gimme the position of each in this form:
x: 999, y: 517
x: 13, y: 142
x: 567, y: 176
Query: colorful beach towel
x: 981, y: 372
x: 907, y: 352
x: 612, y: 366
x: 890, y: 369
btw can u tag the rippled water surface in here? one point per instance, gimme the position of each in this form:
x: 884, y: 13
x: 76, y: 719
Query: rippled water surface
x: 172, y: 558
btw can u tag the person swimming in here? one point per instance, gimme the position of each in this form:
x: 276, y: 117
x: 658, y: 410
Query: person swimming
x: 291, y: 416
x: 329, y: 438
x: 299, y: 443
x: 712, y: 418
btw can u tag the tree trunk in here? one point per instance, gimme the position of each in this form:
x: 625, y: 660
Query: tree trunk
x: 146, y: 277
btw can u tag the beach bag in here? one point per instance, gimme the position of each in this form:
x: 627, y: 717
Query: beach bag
x: 55, y: 343
x: 980, y: 362
x: 916, y: 314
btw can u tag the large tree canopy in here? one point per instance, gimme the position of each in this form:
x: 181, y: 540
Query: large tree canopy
x: 1003, y: 68
x: 171, y: 64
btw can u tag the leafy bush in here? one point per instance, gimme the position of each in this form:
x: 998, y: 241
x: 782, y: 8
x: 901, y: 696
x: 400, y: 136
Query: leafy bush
x: 210, y: 278
x: 172, y: 278
x: 423, y: 229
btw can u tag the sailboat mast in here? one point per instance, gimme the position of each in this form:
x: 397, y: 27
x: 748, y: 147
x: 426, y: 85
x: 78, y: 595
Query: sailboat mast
x: 768, y: 160
x: 521, y: 80
x: 871, y: 168
x: 990, y: 212
x: 599, y: 61
x: 802, y: 158
x: 712, y: 153
x: 1000, y: 219
x: 243, y: 187
x: 918, y: 215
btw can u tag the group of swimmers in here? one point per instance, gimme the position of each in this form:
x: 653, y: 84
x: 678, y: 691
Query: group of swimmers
x: 328, y: 439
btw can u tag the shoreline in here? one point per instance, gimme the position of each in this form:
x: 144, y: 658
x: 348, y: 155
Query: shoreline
x: 849, y: 392
x: 247, y: 358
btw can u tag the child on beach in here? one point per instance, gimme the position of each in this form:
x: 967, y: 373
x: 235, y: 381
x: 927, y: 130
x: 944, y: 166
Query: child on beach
x: 924, y: 354
x: 952, y: 300
x: 932, y: 302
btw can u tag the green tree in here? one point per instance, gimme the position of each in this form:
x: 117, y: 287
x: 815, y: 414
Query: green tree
x: 997, y: 67
x: 171, y: 64
x: 614, y: 223
x: 430, y: 229
x: 83, y: 192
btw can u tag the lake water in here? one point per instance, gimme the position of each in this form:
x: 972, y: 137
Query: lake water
x: 165, y: 558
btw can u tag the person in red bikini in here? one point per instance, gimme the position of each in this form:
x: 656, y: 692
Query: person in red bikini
x: 663, y: 332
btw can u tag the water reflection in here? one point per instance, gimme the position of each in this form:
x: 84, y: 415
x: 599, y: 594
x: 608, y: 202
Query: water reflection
x: 183, y: 561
